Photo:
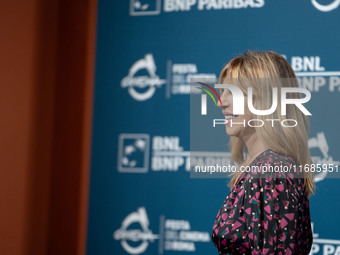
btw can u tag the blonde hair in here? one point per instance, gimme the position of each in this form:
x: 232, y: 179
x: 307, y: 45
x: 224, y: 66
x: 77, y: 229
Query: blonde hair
x: 293, y: 141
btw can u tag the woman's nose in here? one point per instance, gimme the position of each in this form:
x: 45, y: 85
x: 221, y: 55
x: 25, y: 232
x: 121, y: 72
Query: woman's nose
x: 219, y: 103
x: 225, y: 100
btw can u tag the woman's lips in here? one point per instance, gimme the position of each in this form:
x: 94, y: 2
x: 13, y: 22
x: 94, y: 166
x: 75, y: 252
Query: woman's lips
x: 229, y: 117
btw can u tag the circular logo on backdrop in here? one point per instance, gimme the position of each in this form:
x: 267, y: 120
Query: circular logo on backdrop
x: 142, y: 87
x: 326, y: 7
x: 142, y: 236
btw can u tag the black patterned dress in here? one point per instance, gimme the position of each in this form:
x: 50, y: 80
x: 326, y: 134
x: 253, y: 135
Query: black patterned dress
x: 266, y: 215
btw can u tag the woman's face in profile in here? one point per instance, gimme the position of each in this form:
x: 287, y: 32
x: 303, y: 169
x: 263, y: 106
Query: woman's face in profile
x: 236, y: 125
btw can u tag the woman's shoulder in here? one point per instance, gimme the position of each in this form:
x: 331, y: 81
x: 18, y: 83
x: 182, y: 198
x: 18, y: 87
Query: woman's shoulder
x: 272, y: 164
x: 272, y: 157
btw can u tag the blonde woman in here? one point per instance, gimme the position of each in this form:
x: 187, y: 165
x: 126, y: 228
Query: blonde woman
x: 265, y: 214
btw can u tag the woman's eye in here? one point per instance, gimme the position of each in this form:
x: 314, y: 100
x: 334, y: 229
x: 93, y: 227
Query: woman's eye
x: 221, y: 91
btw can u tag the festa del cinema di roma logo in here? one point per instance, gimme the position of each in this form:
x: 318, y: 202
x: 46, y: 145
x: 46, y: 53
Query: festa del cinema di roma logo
x: 175, y: 235
x: 238, y: 103
x: 144, y: 235
x: 326, y: 7
x: 142, y: 87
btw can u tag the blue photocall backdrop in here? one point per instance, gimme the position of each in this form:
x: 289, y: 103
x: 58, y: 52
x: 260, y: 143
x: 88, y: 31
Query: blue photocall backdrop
x: 142, y: 199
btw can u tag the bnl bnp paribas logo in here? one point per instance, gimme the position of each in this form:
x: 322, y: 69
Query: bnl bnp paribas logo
x: 324, y: 246
x: 139, y: 153
x: 313, y: 75
x: 142, y: 80
x: 153, y: 7
x: 175, y: 235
